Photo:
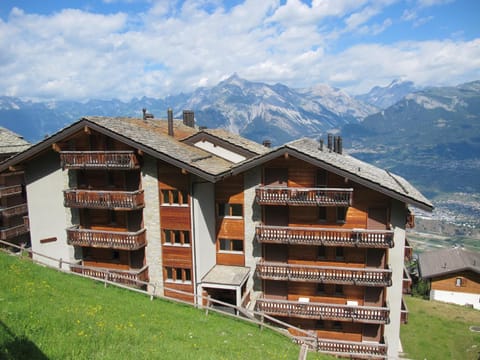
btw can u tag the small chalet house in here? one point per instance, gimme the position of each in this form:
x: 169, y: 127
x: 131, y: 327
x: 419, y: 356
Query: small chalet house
x: 13, y: 202
x: 454, y: 275
x: 301, y: 232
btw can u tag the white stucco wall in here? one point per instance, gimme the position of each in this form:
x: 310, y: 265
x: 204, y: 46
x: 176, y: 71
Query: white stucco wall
x: 252, y: 217
x: 220, y: 151
x: 203, y: 229
x: 394, y: 292
x: 151, y: 222
x: 48, y: 217
x: 456, y: 298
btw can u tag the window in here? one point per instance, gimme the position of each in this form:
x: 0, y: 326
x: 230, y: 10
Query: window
x: 225, y: 209
x: 115, y: 255
x: 322, y: 213
x: 174, y: 197
x: 321, y: 289
x: 458, y: 281
x: 339, y: 255
x: 235, y: 245
x: 322, y: 252
x: 338, y: 290
x: 341, y: 214
x: 321, y: 180
x: 337, y: 326
x: 176, y: 237
x: 180, y: 275
x: 320, y: 324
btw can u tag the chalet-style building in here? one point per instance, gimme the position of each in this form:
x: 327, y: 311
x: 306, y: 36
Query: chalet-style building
x: 454, y: 275
x: 13, y: 202
x: 301, y: 232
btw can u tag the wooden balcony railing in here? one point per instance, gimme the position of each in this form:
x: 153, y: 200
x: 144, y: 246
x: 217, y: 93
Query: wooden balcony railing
x: 325, y: 311
x: 10, y: 190
x: 106, y: 239
x: 126, y: 277
x: 324, y: 236
x: 276, y: 195
x: 404, y: 312
x: 12, y: 232
x: 324, y: 274
x: 99, y: 160
x: 96, y: 199
x: 14, y: 210
x: 353, y: 349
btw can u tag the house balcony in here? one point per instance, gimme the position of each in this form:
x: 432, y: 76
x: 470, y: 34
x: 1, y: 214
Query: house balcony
x: 275, y: 195
x: 106, y: 239
x: 14, y: 210
x: 291, y: 235
x: 404, y: 312
x: 324, y: 311
x: 127, y: 277
x: 10, y: 190
x: 353, y: 349
x: 12, y: 232
x: 115, y: 160
x: 96, y: 199
x: 324, y: 274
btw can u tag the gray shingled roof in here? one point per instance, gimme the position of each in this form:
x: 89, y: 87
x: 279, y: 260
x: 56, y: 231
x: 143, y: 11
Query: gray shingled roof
x: 359, y: 169
x: 151, y: 134
x: 446, y: 261
x: 11, y: 143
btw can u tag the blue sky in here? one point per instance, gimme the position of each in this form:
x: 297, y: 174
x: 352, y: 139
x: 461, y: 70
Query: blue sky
x: 81, y: 49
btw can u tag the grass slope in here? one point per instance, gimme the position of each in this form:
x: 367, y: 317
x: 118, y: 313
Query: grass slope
x: 45, y: 314
x: 437, y: 330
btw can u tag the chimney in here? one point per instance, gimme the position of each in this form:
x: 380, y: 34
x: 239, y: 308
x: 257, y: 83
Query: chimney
x: 320, y: 145
x: 188, y: 118
x: 329, y: 142
x: 340, y: 145
x: 267, y: 143
x: 335, y: 144
x: 170, y: 122
x: 146, y: 115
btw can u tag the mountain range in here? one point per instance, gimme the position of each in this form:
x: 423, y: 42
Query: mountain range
x: 429, y: 135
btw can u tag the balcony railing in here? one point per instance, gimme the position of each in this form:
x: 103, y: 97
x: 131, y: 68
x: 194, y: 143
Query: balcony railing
x: 324, y: 236
x: 14, y: 210
x: 12, y: 232
x: 353, y: 349
x: 10, y: 190
x: 324, y: 274
x: 276, y: 195
x: 99, y: 160
x: 324, y: 311
x: 126, y: 277
x: 106, y: 239
x: 96, y: 199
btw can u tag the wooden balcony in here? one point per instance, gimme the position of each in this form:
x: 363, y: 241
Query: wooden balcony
x: 126, y: 277
x: 120, y: 160
x: 324, y: 274
x: 12, y: 232
x: 404, y: 312
x: 353, y: 349
x: 10, y: 190
x: 324, y: 236
x: 99, y: 199
x: 275, y: 195
x: 106, y: 239
x: 14, y: 210
x: 324, y: 311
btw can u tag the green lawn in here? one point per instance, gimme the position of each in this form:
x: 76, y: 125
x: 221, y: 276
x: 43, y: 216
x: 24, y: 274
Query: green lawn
x: 437, y: 330
x: 45, y: 314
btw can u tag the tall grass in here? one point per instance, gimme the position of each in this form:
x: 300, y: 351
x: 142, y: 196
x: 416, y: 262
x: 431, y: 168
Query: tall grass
x: 45, y: 314
x: 437, y: 330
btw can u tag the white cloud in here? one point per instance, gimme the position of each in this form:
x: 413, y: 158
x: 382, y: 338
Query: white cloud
x: 78, y: 54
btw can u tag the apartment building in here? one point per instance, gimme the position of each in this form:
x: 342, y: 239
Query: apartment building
x: 302, y: 232
x: 13, y: 204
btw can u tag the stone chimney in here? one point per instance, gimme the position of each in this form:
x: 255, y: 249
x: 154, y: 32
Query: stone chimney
x: 170, y: 122
x: 267, y: 143
x: 189, y: 118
